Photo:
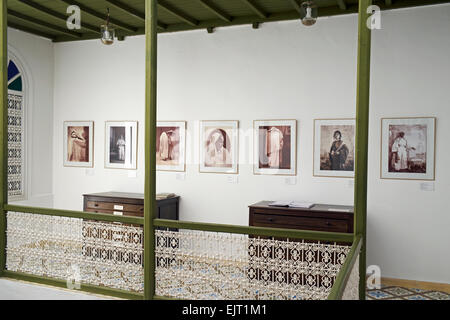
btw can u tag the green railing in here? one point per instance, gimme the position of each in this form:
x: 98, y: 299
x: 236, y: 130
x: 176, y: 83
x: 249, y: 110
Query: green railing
x: 209, y: 227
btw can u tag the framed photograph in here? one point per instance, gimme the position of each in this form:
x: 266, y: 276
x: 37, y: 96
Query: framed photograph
x: 78, y: 144
x: 275, y: 143
x: 121, y: 144
x: 408, y: 148
x: 171, y: 145
x: 334, y: 148
x: 219, y: 146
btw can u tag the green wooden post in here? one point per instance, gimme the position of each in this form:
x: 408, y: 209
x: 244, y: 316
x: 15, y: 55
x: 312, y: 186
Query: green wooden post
x: 3, y: 132
x: 362, y: 135
x: 150, y: 147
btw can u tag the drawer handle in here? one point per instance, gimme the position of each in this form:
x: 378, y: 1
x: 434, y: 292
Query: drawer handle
x: 96, y: 205
x: 270, y: 219
x: 328, y: 223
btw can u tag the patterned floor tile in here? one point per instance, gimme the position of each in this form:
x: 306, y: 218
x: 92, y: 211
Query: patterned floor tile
x: 416, y: 297
x: 417, y: 290
x: 398, y: 291
x: 436, y: 295
x: 379, y: 294
x: 401, y: 293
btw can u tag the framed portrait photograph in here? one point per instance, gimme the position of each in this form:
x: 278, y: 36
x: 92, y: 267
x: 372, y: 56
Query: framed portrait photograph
x: 408, y: 148
x: 219, y: 146
x: 275, y: 147
x: 78, y: 144
x: 121, y: 144
x: 171, y: 145
x: 334, y: 148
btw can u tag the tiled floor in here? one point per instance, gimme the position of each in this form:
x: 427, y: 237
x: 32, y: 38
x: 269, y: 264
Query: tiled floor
x: 399, y: 293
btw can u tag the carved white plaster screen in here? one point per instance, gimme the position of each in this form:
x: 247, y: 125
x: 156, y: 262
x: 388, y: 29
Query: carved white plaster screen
x: 209, y: 265
x: 91, y: 252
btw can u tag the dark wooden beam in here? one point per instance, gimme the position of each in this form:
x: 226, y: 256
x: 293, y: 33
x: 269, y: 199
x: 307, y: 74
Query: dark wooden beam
x: 132, y: 12
x: 210, y: 29
x: 342, y: 5
x: 217, y: 11
x: 28, y: 19
x: 296, y: 6
x: 100, y: 15
x: 255, y: 25
x: 260, y: 12
x: 177, y: 13
x: 57, y: 15
x: 388, y: 2
x: 30, y: 30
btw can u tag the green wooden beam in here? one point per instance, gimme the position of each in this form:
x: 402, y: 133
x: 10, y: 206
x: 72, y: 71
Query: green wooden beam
x: 255, y: 25
x: 177, y: 13
x: 83, y: 287
x: 57, y: 15
x: 388, y: 2
x: 100, y: 15
x: 210, y: 29
x: 44, y: 24
x: 344, y: 273
x: 3, y: 130
x: 362, y: 136
x: 133, y: 12
x: 31, y: 30
x: 342, y: 5
x: 256, y: 9
x: 217, y: 11
x: 257, y: 231
x: 74, y: 214
x: 151, y: 42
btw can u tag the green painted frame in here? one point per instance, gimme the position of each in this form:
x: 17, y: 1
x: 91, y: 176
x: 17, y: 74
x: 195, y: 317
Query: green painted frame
x: 149, y: 221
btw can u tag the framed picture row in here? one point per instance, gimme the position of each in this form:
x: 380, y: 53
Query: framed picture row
x: 407, y: 146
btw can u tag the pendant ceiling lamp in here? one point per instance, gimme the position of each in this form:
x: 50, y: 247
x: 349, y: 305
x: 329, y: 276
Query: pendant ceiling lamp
x: 308, y: 13
x: 107, y: 32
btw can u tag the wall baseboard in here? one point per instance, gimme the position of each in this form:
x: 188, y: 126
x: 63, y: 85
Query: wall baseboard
x: 435, y: 286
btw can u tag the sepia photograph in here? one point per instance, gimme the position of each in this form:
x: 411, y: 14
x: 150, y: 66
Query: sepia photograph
x: 275, y: 147
x: 408, y: 148
x: 78, y: 143
x: 334, y: 147
x: 170, y: 145
x: 121, y: 144
x: 219, y: 146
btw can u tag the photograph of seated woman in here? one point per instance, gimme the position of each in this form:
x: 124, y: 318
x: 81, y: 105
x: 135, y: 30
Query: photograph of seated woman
x: 218, y: 149
x: 338, y: 156
x: 78, y: 144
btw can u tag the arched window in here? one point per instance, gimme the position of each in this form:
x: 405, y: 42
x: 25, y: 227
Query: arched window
x: 16, y: 128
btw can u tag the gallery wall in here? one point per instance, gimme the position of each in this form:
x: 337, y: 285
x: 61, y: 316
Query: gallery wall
x: 34, y: 55
x: 280, y: 71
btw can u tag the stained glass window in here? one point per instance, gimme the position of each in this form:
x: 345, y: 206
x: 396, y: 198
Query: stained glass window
x: 16, y: 148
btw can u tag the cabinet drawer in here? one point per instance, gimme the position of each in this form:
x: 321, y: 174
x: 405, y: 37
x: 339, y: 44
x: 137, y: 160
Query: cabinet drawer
x: 125, y: 213
x: 304, y: 223
x: 100, y: 205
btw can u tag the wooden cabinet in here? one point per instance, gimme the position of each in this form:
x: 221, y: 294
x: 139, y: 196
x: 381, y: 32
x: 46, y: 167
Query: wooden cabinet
x: 129, y: 204
x: 321, y: 217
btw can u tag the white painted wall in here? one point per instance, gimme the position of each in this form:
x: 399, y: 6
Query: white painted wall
x: 282, y: 70
x: 35, y: 57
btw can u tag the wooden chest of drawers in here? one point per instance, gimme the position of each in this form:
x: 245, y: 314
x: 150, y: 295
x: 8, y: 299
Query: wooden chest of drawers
x: 129, y: 204
x: 320, y: 217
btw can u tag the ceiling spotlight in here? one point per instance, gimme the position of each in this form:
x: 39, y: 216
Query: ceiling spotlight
x: 107, y: 32
x: 308, y: 13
